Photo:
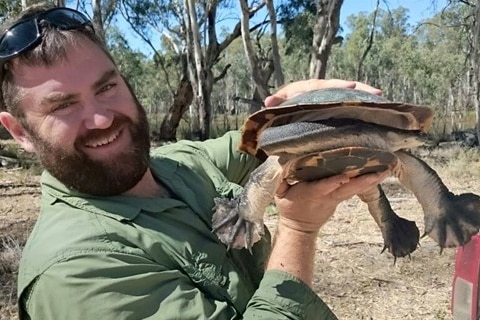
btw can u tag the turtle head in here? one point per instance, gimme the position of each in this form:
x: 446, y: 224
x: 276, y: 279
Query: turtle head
x: 406, y: 139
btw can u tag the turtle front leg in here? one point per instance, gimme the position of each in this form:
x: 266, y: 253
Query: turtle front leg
x: 451, y: 220
x: 400, y: 236
x: 238, y: 222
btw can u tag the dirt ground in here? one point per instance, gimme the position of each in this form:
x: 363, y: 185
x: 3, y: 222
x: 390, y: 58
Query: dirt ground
x: 351, y: 275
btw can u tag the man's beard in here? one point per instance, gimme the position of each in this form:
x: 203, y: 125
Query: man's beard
x: 79, y: 172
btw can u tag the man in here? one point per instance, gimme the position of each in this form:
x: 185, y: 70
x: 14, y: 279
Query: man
x: 125, y: 234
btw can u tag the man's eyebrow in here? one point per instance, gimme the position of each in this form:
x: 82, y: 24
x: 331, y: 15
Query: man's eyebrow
x: 55, y: 97
x: 104, y: 78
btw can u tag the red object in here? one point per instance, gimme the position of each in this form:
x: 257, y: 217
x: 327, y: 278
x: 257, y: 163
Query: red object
x: 465, y: 304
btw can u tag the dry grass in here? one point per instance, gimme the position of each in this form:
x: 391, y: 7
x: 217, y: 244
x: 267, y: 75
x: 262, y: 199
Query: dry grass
x: 10, y: 253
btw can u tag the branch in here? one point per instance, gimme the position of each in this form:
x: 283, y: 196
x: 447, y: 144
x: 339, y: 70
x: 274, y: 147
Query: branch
x: 128, y: 18
x: 222, y: 74
x: 370, y: 42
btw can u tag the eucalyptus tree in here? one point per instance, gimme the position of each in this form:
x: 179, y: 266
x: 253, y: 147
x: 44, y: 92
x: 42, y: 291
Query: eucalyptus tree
x: 189, y: 28
x: 472, y: 28
x: 313, y: 27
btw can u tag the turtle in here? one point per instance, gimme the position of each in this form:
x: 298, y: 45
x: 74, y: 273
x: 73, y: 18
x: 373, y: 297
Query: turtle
x: 332, y: 131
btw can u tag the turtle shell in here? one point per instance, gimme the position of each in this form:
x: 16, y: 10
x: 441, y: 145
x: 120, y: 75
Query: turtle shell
x: 351, y: 161
x: 335, y: 103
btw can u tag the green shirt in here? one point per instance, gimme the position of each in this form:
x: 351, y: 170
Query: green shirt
x: 124, y: 257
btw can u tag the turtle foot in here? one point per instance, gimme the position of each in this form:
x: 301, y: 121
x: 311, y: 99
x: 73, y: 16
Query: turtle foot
x: 400, y: 236
x: 232, y: 228
x: 457, y: 222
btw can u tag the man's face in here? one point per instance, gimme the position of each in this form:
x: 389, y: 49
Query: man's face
x: 84, y: 123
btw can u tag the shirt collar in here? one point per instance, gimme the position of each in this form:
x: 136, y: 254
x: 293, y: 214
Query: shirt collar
x: 120, y: 207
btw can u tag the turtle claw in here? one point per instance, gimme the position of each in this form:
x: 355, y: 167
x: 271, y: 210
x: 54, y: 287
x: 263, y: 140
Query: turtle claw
x: 401, y: 236
x: 232, y: 228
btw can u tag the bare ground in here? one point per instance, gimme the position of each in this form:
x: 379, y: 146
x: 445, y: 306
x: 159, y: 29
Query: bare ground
x: 351, y: 275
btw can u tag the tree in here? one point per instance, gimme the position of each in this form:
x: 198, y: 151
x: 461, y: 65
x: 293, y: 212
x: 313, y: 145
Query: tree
x: 324, y: 36
x: 260, y: 74
x: 195, y: 41
x: 311, y: 27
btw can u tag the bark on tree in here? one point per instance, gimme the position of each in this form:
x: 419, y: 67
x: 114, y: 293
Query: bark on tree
x: 475, y: 63
x: 324, y: 35
x: 261, y: 82
x: 197, y: 72
x: 183, y: 98
x: 97, y: 18
x: 277, y: 67
x: 370, y: 43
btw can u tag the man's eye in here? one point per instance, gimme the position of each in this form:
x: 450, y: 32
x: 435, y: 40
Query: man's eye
x: 107, y: 87
x: 61, y: 106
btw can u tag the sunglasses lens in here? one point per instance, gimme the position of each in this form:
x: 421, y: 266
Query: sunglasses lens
x: 18, y: 38
x: 24, y: 35
x: 65, y: 19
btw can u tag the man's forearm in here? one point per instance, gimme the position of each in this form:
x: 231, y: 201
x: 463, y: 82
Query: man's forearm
x: 293, y: 252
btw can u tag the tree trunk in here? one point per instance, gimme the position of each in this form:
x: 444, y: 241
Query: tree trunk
x: 97, y: 19
x: 261, y: 83
x: 183, y: 97
x: 475, y: 56
x: 324, y: 36
x: 369, y: 44
x: 198, y: 72
x: 277, y: 67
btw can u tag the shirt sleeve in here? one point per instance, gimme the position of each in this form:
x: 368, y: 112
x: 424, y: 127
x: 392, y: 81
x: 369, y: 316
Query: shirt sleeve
x: 283, y: 296
x: 221, y: 152
x: 119, y: 287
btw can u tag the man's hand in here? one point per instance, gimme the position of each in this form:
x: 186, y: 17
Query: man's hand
x: 303, y: 209
x: 295, y: 88
x: 306, y: 206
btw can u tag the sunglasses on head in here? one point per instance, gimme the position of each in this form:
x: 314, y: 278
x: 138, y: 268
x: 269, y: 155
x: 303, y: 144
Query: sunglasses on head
x: 26, y: 33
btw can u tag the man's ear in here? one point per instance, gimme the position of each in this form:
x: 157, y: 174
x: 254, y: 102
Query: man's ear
x: 17, y: 131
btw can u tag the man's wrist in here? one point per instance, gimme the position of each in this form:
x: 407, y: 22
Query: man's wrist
x: 302, y: 227
x: 293, y: 251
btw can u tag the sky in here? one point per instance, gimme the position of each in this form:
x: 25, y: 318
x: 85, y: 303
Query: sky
x: 417, y: 9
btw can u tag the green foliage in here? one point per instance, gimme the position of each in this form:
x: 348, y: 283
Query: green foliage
x: 423, y: 64
x: 9, y: 8
x: 298, y: 18
x: 143, y: 75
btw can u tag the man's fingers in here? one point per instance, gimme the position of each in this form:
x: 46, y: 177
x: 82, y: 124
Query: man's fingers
x: 368, y: 88
x: 295, y: 88
x: 360, y: 184
x: 320, y: 187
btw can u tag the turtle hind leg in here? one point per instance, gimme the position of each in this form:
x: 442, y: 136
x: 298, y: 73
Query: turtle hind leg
x: 450, y: 220
x: 231, y: 228
x: 457, y: 220
x: 400, y: 236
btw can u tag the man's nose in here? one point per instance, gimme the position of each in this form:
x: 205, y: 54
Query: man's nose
x: 98, y: 116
